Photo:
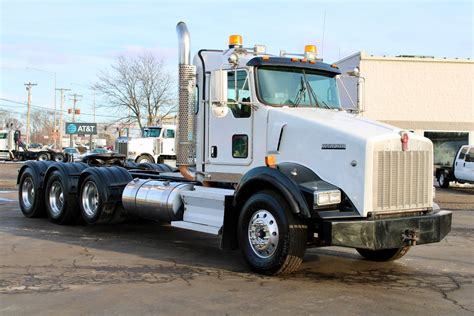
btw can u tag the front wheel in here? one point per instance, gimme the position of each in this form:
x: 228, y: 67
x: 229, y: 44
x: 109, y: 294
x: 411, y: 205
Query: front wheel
x: 145, y: 158
x: 271, y: 238
x: 384, y: 254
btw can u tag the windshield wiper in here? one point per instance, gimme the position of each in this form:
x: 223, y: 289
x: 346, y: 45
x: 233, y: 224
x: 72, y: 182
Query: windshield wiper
x: 315, y: 96
x: 300, y: 94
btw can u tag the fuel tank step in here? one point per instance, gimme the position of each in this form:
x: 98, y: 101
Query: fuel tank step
x: 203, y: 209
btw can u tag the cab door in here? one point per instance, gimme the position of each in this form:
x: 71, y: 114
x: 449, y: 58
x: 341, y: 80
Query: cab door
x: 230, y: 145
x: 459, y: 163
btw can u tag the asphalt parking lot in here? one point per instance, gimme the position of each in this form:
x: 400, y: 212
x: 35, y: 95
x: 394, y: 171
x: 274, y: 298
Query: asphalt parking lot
x: 149, y: 268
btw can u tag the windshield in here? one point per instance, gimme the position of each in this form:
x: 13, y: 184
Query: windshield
x: 297, y: 87
x: 99, y: 151
x: 3, y: 135
x: 152, y: 132
x: 71, y: 150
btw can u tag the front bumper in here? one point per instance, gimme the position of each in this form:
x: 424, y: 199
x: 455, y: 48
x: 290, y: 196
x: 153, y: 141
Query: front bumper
x: 387, y: 233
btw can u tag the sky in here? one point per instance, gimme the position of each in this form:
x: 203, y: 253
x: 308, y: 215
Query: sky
x: 72, y: 41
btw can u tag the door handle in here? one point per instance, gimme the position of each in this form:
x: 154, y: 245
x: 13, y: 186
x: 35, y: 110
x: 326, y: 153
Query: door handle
x: 213, y: 151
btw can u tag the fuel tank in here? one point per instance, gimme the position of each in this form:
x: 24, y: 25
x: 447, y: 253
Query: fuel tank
x: 154, y: 199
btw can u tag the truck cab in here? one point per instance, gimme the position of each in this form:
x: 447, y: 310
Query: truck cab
x: 464, y: 165
x: 156, y: 145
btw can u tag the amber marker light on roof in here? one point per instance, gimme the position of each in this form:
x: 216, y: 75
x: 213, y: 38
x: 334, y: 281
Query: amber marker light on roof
x: 266, y: 57
x: 294, y: 59
x: 235, y: 40
x: 304, y: 60
x: 333, y: 65
x: 312, y: 61
x: 310, y: 49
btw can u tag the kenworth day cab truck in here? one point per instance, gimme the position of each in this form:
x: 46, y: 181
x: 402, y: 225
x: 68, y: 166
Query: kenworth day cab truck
x: 268, y: 160
x: 156, y: 145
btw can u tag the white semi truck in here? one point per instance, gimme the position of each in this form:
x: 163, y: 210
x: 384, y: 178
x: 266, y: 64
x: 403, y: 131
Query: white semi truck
x: 268, y: 160
x: 13, y: 149
x: 156, y: 145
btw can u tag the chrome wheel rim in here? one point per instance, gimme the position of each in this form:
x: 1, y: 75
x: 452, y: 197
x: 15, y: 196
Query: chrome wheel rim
x: 441, y: 179
x: 28, y: 192
x: 144, y: 159
x: 90, y: 199
x: 43, y: 157
x: 263, y: 234
x: 56, y: 199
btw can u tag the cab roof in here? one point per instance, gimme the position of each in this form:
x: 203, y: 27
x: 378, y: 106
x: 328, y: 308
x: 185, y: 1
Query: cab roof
x: 294, y: 63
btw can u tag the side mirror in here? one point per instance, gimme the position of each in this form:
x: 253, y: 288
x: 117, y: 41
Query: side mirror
x: 218, y: 97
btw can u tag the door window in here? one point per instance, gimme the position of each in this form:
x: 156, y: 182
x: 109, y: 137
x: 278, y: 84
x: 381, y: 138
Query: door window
x: 462, y: 154
x: 169, y: 133
x: 240, y: 145
x: 238, y: 93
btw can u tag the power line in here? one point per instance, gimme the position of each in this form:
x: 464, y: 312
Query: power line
x: 49, y: 109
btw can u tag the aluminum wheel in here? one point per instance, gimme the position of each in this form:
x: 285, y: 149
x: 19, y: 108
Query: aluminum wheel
x: 28, y: 192
x: 263, y: 234
x: 56, y: 199
x: 43, y: 157
x: 90, y: 199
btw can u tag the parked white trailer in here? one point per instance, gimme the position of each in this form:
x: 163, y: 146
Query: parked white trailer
x: 268, y: 160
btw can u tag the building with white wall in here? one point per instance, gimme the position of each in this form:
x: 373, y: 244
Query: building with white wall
x: 429, y: 96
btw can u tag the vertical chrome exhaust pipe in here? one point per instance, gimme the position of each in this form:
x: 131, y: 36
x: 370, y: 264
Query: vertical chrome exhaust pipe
x: 186, y: 147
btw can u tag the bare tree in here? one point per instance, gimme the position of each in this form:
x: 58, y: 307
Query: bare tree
x: 42, y: 124
x: 9, y: 121
x: 138, y: 88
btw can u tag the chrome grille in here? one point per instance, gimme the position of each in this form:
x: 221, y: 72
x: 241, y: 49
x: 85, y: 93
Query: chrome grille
x: 402, y: 180
x: 121, y: 147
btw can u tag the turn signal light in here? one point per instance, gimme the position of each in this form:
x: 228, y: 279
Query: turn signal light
x: 270, y: 161
x: 235, y: 40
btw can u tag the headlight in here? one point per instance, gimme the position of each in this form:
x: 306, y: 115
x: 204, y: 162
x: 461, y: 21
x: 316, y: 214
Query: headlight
x: 322, y: 198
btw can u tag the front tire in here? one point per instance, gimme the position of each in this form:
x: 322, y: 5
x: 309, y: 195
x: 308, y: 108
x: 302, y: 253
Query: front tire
x: 384, y: 254
x: 145, y: 158
x: 271, y: 238
x: 44, y: 156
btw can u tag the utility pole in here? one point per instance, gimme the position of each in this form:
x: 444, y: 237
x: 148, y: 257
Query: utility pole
x: 29, y: 87
x: 75, y: 97
x: 61, y: 127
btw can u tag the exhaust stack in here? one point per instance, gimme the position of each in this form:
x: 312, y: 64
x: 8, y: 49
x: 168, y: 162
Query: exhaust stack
x: 186, y: 149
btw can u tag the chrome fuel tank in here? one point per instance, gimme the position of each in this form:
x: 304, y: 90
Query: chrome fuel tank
x: 156, y: 200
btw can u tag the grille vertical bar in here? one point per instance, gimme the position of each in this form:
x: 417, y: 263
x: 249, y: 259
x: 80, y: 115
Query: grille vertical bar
x: 401, y: 180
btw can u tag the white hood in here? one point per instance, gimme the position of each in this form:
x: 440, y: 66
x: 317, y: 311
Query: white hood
x: 330, y: 142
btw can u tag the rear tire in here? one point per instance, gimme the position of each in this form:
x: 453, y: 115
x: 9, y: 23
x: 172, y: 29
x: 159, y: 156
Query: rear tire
x: 384, y: 254
x: 43, y: 156
x: 61, y: 209
x: 443, y: 180
x: 30, y: 196
x: 271, y: 238
x: 59, y: 157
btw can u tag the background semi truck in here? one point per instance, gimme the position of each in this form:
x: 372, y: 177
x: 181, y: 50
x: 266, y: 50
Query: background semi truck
x: 156, y: 145
x: 267, y: 159
x: 12, y: 148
